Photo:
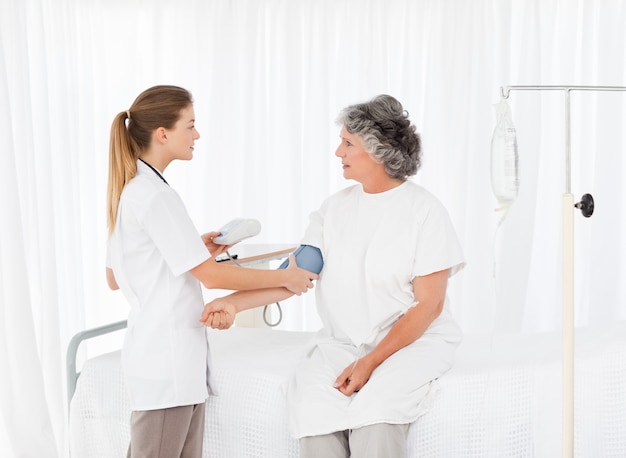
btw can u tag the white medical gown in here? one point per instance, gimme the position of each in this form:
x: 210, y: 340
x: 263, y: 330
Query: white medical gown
x: 373, y: 246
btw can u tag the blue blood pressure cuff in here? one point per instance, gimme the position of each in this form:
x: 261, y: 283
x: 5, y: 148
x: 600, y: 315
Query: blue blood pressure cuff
x: 308, y: 257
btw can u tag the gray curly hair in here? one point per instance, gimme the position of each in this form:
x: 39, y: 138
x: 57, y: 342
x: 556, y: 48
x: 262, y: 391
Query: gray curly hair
x: 388, y: 135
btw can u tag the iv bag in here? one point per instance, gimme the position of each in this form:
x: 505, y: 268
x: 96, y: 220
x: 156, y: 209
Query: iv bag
x: 504, y: 158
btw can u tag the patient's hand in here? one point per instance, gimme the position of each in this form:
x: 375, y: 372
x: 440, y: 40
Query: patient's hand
x: 354, y: 377
x: 219, y: 314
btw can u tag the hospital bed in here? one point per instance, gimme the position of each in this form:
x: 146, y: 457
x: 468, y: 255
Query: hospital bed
x: 502, y: 398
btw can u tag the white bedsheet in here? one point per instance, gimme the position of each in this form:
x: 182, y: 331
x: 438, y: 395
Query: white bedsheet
x: 502, y: 398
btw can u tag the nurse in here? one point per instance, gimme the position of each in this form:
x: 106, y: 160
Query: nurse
x: 159, y: 261
x: 388, y: 248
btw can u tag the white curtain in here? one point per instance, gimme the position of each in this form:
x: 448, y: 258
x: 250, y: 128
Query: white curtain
x: 268, y: 78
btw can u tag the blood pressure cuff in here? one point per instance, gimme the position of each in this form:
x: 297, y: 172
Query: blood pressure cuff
x: 308, y: 257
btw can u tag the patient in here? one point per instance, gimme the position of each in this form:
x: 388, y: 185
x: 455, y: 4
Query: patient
x: 388, y: 249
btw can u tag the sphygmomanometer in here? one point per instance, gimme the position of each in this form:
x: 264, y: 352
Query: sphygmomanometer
x: 308, y: 257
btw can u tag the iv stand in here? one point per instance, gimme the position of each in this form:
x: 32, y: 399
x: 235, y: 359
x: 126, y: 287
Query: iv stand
x: 586, y: 206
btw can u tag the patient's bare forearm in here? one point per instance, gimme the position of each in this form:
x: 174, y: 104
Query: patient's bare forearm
x: 220, y: 312
x: 244, y: 300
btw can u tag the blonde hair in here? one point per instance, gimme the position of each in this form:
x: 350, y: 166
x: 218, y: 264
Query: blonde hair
x: 159, y: 106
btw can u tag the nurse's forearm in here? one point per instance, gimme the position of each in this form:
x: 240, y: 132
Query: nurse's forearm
x: 223, y: 276
x: 111, y: 279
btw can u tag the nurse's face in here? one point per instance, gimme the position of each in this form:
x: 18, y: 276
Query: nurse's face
x: 357, y: 163
x: 180, y: 139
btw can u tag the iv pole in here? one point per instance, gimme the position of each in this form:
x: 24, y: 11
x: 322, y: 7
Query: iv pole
x: 586, y: 206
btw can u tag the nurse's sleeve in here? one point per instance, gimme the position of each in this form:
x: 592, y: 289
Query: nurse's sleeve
x: 438, y: 246
x: 169, y: 225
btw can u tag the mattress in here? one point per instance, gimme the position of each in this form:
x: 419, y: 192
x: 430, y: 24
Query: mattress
x: 502, y: 398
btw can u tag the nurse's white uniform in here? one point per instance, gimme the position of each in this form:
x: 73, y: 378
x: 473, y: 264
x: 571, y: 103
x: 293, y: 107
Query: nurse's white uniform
x: 153, y: 246
x: 373, y: 246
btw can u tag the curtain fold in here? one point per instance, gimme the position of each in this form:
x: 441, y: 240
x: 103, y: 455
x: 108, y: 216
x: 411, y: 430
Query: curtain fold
x: 27, y: 429
x: 269, y: 78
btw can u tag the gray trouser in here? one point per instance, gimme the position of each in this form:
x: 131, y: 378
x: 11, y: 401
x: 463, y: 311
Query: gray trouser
x: 176, y: 432
x: 382, y: 440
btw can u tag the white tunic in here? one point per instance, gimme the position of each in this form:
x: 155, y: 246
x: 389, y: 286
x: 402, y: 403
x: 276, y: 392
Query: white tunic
x: 153, y: 246
x: 373, y: 246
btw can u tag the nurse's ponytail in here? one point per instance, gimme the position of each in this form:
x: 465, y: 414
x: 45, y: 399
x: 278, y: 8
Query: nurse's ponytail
x: 122, y: 165
x: 131, y: 133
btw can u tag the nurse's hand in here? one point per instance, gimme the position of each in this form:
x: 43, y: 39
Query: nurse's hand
x: 354, y: 377
x: 300, y: 280
x: 214, y: 248
x: 219, y: 314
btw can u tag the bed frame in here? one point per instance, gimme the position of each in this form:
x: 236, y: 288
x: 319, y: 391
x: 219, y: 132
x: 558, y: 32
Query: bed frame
x: 72, y: 373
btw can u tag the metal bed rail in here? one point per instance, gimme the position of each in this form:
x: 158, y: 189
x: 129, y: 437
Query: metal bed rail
x: 72, y: 350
